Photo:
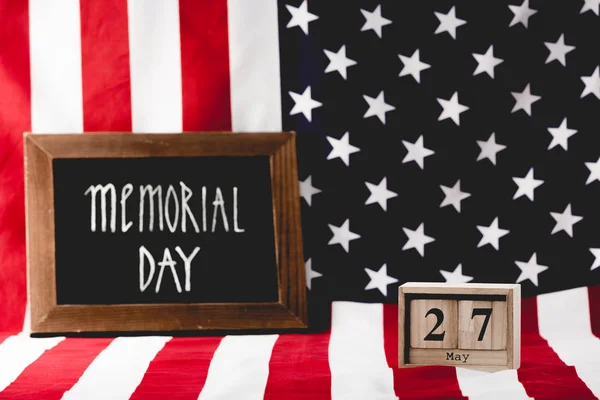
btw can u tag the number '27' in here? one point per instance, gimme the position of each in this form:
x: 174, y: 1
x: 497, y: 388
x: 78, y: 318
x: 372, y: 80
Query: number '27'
x: 439, y: 314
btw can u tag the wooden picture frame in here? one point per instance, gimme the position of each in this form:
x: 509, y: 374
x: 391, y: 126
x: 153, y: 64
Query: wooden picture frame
x: 290, y: 312
x: 493, y: 358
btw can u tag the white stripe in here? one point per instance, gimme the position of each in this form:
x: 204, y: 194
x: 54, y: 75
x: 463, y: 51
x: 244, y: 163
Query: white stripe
x: 155, y: 62
x: 118, y: 370
x: 359, y: 369
x: 17, y: 352
x: 254, y: 65
x: 488, y: 386
x: 55, y: 51
x: 239, y: 368
x: 564, y: 321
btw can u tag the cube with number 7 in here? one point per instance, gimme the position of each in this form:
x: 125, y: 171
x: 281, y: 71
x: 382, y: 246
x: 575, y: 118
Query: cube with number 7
x: 468, y: 325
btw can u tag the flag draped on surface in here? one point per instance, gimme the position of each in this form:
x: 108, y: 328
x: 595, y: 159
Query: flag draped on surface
x: 445, y: 141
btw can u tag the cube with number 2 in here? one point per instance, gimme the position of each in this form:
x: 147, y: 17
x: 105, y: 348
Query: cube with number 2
x: 433, y: 324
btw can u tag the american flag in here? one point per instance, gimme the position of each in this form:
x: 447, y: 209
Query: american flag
x: 446, y: 140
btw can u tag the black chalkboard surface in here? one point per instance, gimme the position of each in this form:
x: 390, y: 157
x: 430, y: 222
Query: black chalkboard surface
x: 224, y: 204
x: 164, y: 232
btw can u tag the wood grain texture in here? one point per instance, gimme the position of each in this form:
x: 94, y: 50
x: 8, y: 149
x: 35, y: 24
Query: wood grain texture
x: 513, y: 302
x: 458, y: 358
x: 422, y: 325
x: 450, y: 288
x: 290, y: 312
x: 505, y: 302
x: 470, y: 327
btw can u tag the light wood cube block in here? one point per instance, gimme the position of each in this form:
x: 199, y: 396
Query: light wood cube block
x: 434, y: 324
x: 467, y: 325
x: 482, y: 325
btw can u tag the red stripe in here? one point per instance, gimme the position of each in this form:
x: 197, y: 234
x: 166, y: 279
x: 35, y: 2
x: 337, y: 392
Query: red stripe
x: 56, y: 370
x: 205, y: 65
x: 15, y: 118
x: 105, y: 66
x: 179, y: 370
x: 299, y: 368
x: 418, y: 382
x: 594, y: 295
x: 542, y: 373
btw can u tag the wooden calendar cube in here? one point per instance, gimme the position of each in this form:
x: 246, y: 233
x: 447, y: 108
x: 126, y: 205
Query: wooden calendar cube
x: 434, y: 324
x: 482, y: 325
x: 468, y: 325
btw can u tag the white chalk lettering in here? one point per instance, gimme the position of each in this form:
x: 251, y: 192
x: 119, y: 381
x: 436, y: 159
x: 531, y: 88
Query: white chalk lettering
x: 144, y: 253
x: 125, y: 193
x: 152, y: 192
x: 187, y: 262
x: 235, y: 211
x: 186, y: 195
x: 203, y: 208
x: 167, y: 261
x: 104, y: 190
x: 219, y: 203
x: 171, y: 193
x: 160, y: 203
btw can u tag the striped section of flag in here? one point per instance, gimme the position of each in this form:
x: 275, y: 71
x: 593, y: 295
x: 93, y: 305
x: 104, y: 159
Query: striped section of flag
x: 72, y: 66
x: 67, y: 361
x: 317, y: 366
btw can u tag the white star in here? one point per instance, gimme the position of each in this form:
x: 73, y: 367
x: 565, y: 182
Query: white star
x: 592, y: 84
x: 452, y: 109
x: 561, y: 135
x: 490, y: 149
x: 596, y: 264
x: 416, y: 152
x: 591, y: 5
x: 378, y: 107
x: 522, y: 13
x: 341, y: 148
x: 449, y: 22
x: 310, y: 273
x: 307, y: 190
x: 594, y: 168
x: 486, y: 62
x: 303, y: 103
x: 530, y: 270
x: 380, y: 194
x: 300, y: 16
x: 559, y: 50
x: 526, y: 185
x: 455, y: 276
x: 379, y: 280
x: 417, y: 239
x: 413, y: 66
x: 565, y: 221
x: 453, y: 196
x: 491, y: 234
x: 524, y: 100
x: 374, y: 20
x: 342, y: 235
x: 338, y: 61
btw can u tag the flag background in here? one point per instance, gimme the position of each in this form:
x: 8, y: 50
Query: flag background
x: 69, y: 66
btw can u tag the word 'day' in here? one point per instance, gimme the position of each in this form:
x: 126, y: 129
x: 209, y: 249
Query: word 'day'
x: 469, y: 325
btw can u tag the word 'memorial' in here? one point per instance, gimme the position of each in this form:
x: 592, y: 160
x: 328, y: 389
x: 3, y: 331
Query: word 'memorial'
x: 150, y: 196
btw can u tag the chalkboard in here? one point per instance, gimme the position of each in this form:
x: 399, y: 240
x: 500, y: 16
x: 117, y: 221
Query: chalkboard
x: 119, y: 257
x: 164, y: 232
